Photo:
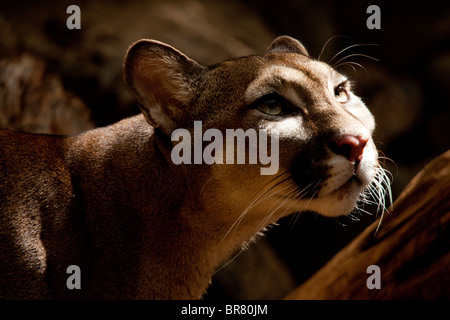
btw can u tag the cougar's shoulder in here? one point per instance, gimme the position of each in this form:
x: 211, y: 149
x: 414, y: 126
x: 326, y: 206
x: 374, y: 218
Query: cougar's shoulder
x: 25, y: 157
x: 39, y: 230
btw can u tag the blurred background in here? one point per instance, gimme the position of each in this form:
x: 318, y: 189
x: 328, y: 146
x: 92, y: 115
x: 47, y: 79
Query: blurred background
x: 56, y: 80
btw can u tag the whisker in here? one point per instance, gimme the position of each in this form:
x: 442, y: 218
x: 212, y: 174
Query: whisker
x: 270, y: 181
x: 350, y: 64
x: 230, y: 260
x: 355, y: 55
x: 384, y: 189
x: 346, y: 64
x: 204, y: 186
x: 349, y: 47
x: 363, y: 211
x: 263, y: 196
x: 294, y: 219
x: 378, y: 193
x: 296, y: 195
x: 244, y: 246
x: 353, y: 218
x: 272, y: 212
x: 386, y: 158
x: 259, y: 199
x: 326, y: 43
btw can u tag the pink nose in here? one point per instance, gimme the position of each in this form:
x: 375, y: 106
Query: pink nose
x: 350, y: 146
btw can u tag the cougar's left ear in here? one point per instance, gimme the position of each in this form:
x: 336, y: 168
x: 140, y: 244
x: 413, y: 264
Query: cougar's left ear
x: 163, y: 81
x: 287, y: 44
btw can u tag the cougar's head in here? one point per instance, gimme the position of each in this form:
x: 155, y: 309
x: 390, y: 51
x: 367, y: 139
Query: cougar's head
x: 316, y: 132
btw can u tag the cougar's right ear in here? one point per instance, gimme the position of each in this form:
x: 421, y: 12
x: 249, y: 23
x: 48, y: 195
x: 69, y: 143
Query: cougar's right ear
x: 163, y: 81
x: 287, y: 44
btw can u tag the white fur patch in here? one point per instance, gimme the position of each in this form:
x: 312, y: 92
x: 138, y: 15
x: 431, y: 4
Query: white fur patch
x: 286, y: 128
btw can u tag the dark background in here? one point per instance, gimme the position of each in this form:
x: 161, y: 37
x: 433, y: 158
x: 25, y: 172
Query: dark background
x: 407, y: 90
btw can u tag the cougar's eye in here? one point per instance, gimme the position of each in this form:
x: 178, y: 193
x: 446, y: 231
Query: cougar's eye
x: 341, y: 94
x: 274, y: 104
x: 272, y: 107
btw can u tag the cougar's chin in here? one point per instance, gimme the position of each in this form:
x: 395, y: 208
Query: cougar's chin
x: 340, y: 193
x: 341, y: 200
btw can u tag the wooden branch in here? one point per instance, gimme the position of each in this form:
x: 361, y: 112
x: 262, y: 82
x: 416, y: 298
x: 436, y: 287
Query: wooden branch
x: 411, y: 248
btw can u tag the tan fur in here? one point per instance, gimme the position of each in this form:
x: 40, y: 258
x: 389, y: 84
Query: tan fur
x: 112, y: 202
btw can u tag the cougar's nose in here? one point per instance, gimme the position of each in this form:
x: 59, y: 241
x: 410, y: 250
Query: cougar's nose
x: 350, y: 146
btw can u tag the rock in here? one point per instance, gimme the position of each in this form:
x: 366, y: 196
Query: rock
x: 411, y: 248
x: 34, y: 100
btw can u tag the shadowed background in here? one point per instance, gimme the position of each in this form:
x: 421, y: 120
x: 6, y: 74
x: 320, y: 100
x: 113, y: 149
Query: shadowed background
x: 55, y: 80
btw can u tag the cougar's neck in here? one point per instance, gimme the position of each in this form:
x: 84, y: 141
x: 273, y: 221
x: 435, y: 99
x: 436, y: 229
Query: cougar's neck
x: 152, y: 231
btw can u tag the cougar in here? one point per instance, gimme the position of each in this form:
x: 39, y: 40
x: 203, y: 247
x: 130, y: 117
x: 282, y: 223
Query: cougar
x: 112, y: 202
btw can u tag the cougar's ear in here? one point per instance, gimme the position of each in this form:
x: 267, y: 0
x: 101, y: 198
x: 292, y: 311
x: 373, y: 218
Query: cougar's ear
x: 163, y: 81
x: 287, y: 44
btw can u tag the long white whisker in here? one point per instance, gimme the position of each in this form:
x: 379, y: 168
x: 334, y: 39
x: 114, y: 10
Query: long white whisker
x: 272, y: 212
x: 268, y: 183
x: 346, y: 64
x: 305, y: 207
x: 292, y: 200
x: 384, y: 188
x: 229, y: 261
x: 350, y: 64
x: 355, y: 55
x: 349, y: 47
x: 326, y: 43
x: 293, y: 196
x: 204, y: 186
x: 263, y: 196
x: 364, y: 211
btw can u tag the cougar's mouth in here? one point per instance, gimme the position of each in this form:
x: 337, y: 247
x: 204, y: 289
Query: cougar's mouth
x: 343, y: 185
x: 349, y: 187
